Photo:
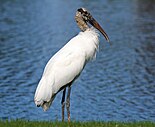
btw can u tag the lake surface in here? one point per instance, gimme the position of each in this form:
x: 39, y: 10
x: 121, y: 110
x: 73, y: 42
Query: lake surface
x: 118, y: 85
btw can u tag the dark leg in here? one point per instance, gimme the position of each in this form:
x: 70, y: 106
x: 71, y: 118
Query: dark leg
x: 68, y: 103
x: 63, y: 103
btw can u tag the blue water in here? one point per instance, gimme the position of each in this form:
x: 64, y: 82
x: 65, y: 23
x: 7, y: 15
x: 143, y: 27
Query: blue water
x: 119, y: 85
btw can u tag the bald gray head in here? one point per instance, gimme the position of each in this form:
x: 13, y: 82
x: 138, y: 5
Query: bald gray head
x: 83, y: 17
x: 86, y: 16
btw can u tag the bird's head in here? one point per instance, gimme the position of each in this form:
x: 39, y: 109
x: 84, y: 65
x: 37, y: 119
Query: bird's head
x: 83, y: 17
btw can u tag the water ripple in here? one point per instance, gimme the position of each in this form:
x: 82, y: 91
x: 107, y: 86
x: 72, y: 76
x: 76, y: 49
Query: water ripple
x: 119, y: 85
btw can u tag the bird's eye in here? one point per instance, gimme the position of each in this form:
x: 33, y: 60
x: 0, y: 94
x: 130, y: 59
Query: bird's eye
x: 86, y: 15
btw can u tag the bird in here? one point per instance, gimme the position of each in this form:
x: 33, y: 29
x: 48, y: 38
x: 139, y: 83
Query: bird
x: 67, y: 64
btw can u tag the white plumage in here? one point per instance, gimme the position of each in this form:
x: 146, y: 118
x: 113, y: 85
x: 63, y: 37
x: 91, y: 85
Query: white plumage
x: 65, y: 65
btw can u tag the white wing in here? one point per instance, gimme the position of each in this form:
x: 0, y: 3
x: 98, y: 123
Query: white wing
x: 65, y: 66
x: 61, y: 69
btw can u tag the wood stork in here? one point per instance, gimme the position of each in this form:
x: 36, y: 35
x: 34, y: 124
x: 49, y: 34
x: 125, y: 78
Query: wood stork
x: 67, y: 64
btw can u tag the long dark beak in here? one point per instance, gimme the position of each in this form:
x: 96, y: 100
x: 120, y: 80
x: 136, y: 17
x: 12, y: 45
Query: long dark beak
x: 94, y: 23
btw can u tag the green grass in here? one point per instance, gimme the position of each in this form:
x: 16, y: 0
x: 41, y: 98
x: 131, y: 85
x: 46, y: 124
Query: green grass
x: 25, y: 123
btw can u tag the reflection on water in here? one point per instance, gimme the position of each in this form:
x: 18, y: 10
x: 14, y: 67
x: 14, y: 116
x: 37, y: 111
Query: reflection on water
x: 119, y: 85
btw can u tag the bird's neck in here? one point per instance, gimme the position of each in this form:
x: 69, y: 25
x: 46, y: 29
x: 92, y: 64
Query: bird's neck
x: 81, y: 23
x: 90, y: 42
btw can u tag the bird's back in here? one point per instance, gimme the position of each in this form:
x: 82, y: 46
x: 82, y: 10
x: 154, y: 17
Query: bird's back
x: 65, y: 66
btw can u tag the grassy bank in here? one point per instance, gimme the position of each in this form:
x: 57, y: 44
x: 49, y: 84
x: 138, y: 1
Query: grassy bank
x: 24, y: 123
